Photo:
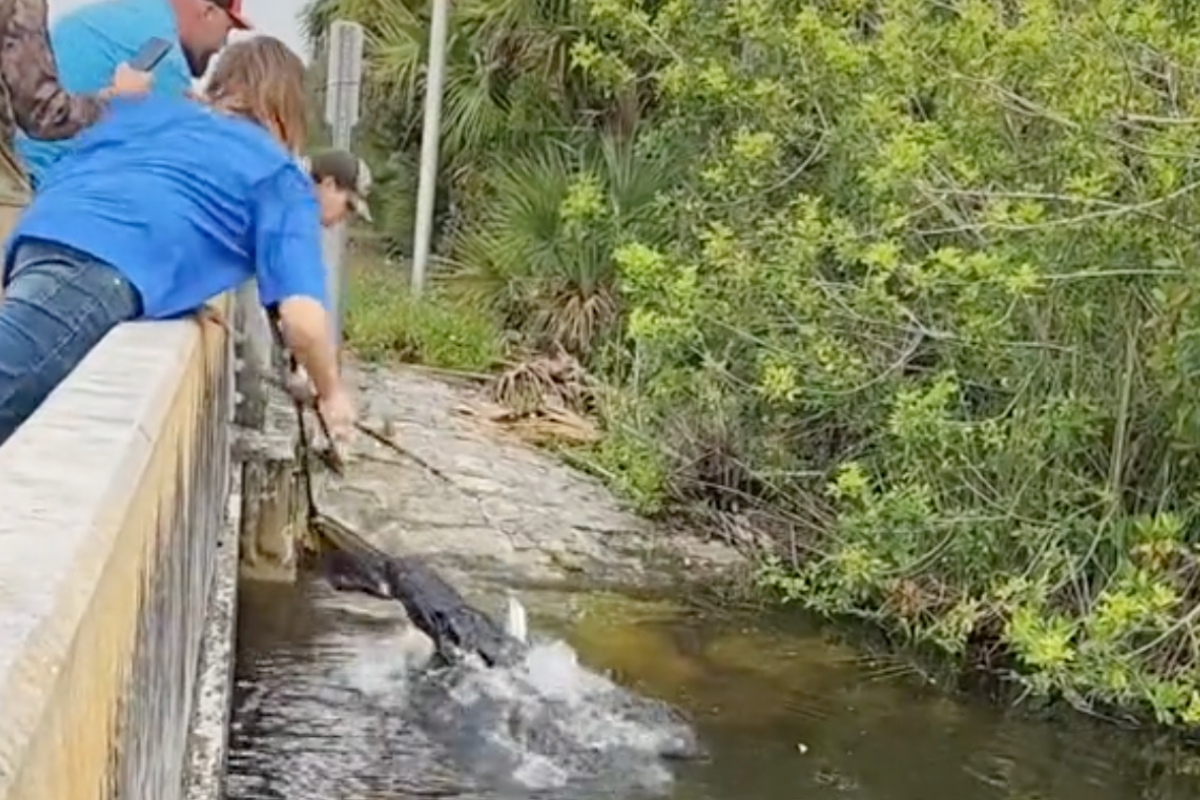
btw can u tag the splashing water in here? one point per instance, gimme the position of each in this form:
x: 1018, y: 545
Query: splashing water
x: 544, y: 723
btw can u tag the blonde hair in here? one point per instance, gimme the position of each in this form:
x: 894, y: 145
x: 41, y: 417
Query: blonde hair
x: 263, y: 80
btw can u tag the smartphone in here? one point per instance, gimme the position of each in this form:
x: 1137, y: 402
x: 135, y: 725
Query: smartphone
x: 152, y: 52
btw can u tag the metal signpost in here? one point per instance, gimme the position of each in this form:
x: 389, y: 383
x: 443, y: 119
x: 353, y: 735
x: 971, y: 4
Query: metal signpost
x: 342, y: 90
x: 427, y: 189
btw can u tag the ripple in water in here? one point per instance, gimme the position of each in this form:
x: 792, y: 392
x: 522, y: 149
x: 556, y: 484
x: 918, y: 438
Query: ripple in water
x: 356, y: 714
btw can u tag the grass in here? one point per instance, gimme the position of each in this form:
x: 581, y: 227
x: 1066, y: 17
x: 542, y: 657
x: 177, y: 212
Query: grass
x: 384, y: 322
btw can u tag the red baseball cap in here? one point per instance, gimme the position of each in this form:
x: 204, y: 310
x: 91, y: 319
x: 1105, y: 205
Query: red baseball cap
x: 234, y: 9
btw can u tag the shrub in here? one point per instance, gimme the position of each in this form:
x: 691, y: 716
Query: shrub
x: 628, y: 462
x: 933, y: 291
x: 384, y: 321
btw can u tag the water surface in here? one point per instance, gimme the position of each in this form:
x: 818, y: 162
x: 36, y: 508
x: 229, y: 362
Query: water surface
x: 787, y: 712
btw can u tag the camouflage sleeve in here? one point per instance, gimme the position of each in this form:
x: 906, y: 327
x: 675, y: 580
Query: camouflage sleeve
x: 41, y: 106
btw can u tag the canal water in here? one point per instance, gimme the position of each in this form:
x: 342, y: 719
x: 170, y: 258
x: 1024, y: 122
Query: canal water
x: 786, y: 711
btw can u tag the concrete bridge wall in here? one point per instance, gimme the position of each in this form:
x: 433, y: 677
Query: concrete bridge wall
x: 116, y: 561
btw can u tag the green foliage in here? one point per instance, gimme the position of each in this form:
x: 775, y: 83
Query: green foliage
x: 394, y: 199
x: 632, y: 465
x: 509, y: 80
x: 541, y: 255
x: 936, y: 263
x: 384, y: 321
x: 920, y: 280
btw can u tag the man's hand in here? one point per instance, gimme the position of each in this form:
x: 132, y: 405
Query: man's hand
x: 127, y: 80
x: 339, y: 414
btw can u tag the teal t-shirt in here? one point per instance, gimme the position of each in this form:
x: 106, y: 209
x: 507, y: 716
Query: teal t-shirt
x: 89, y: 42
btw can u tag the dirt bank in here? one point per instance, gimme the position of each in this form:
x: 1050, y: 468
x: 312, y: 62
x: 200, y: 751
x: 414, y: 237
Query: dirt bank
x: 475, y: 499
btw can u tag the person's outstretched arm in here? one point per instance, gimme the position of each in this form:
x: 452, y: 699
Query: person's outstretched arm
x: 40, y: 105
x: 291, y: 278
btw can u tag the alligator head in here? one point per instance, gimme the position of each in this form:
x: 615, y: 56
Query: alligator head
x: 432, y: 604
x: 455, y: 626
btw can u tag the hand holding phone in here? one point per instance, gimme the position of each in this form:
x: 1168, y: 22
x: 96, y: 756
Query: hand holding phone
x: 134, y: 77
x: 128, y: 81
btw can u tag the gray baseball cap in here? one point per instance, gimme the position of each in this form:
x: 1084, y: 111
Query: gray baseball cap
x: 348, y: 172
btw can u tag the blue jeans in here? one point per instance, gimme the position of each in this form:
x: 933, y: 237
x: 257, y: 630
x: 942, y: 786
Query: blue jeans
x: 58, y: 304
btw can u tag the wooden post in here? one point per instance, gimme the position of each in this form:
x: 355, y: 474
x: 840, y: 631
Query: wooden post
x: 272, y: 517
x: 272, y: 505
x: 253, y: 351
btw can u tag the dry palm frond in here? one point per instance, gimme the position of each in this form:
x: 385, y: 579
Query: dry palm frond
x: 557, y: 426
x: 556, y: 381
x: 575, y: 317
x: 548, y: 426
x: 542, y: 399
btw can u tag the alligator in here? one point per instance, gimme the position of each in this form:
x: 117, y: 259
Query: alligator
x: 466, y: 639
x: 434, y: 607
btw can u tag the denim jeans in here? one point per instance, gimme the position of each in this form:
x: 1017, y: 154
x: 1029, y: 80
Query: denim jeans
x: 58, y: 304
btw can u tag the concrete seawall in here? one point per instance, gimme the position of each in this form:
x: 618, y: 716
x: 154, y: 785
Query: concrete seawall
x: 116, y: 588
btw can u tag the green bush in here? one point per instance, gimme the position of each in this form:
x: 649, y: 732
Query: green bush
x: 633, y: 466
x: 932, y: 294
x: 384, y: 321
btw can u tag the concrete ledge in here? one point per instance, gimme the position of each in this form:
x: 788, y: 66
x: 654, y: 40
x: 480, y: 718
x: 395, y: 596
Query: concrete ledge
x: 209, y: 743
x: 111, y: 501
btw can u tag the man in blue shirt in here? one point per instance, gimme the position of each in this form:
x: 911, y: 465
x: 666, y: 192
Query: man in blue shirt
x: 140, y: 220
x: 90, y: 41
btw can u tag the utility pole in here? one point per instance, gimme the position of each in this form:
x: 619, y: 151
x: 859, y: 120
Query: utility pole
x: 343, y: 89
x: 427, y: 190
